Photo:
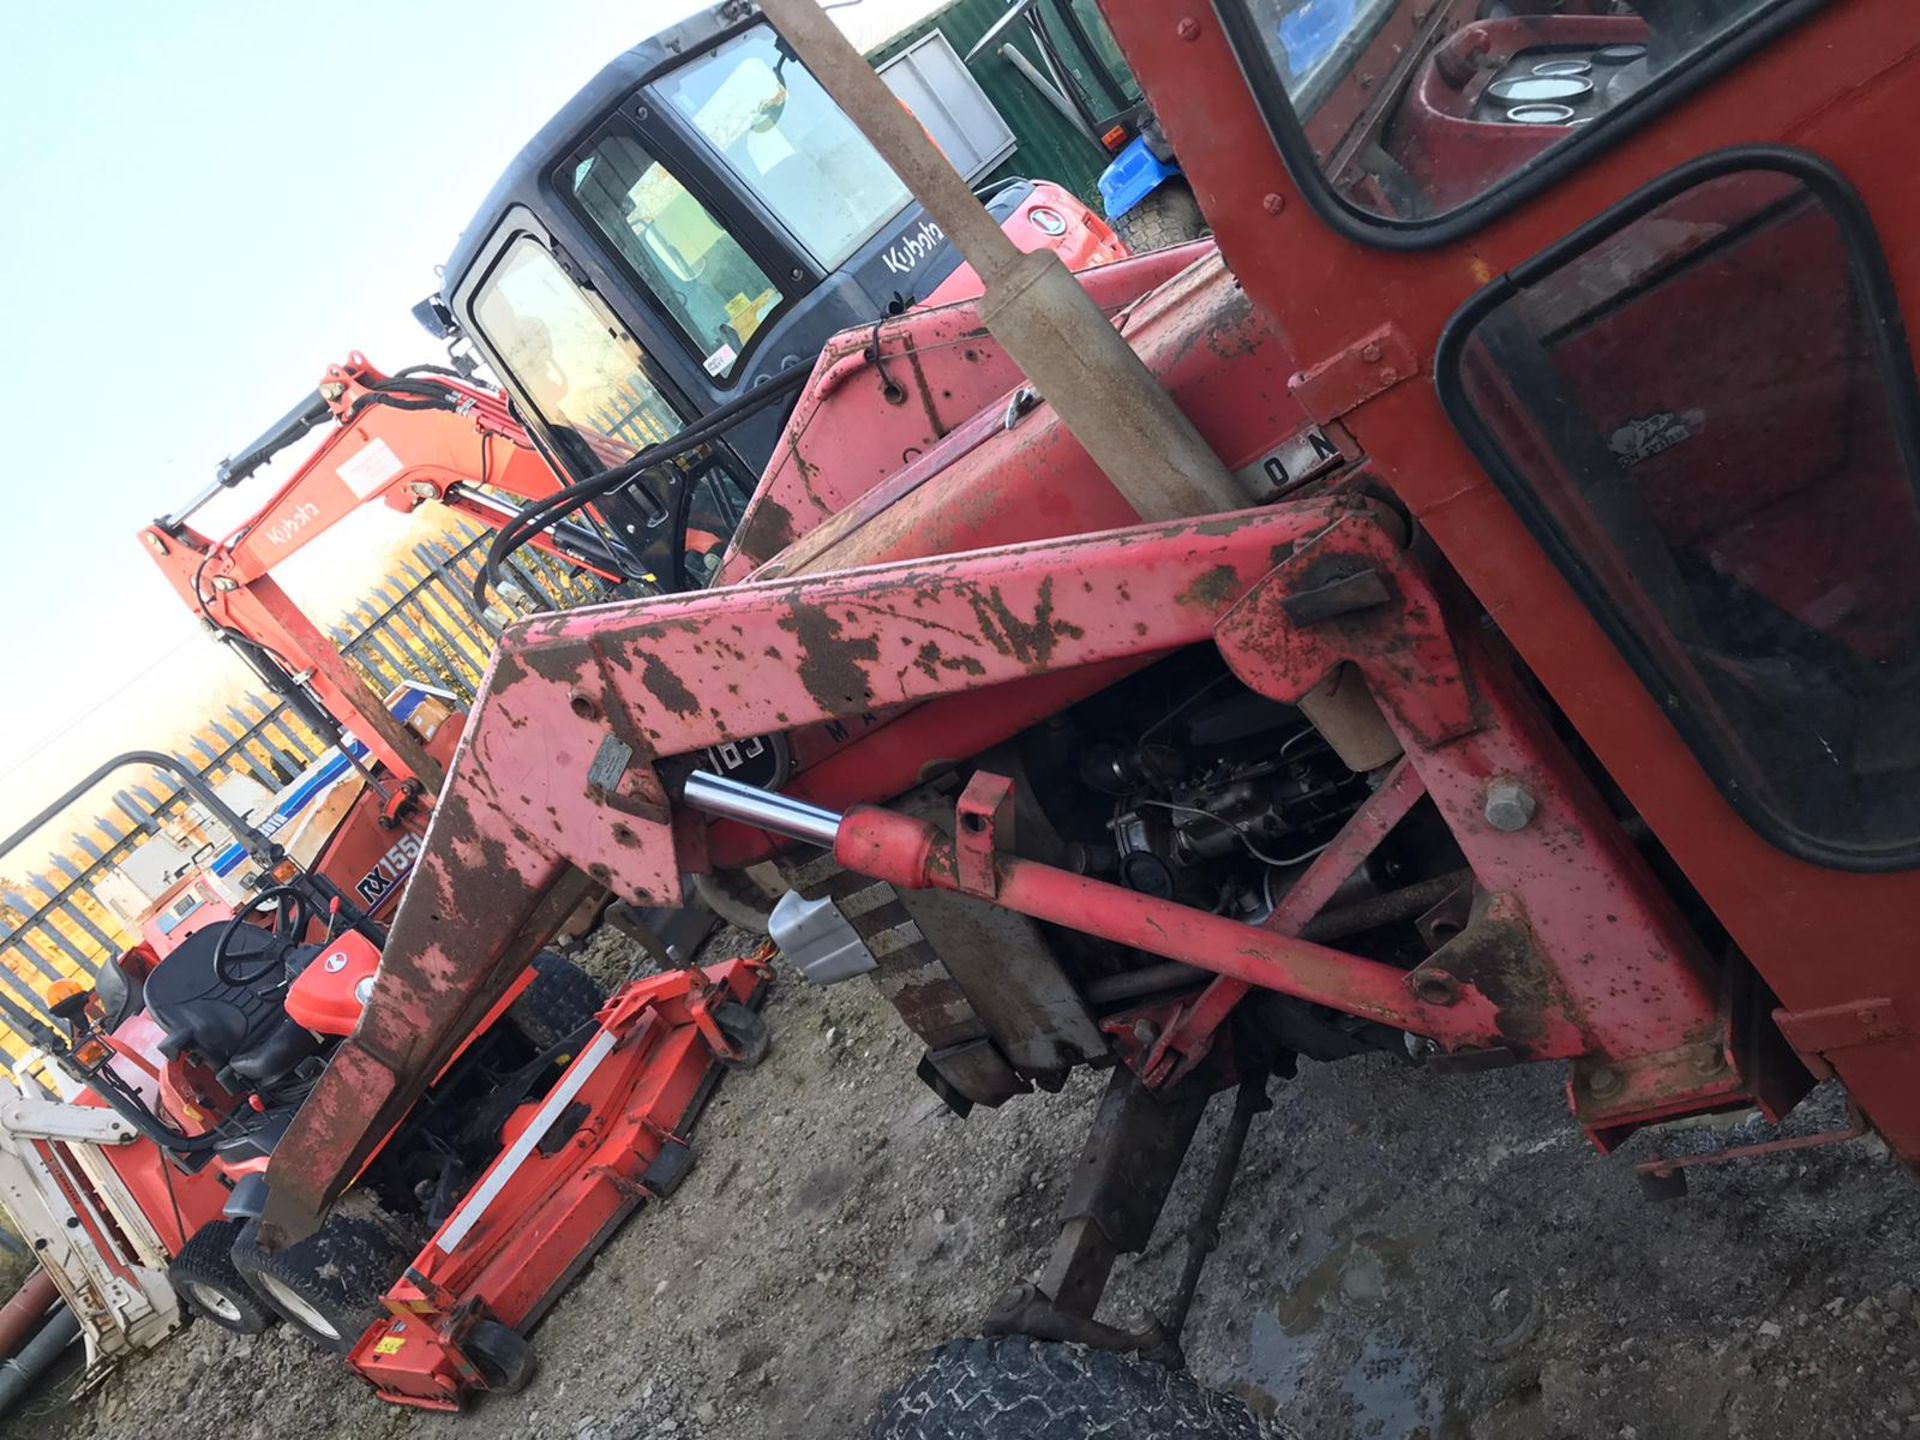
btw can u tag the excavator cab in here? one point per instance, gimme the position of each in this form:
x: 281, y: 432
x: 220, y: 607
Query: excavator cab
x: 700, y: 220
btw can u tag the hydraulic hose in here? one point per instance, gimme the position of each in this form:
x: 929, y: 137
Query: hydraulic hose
x: 147, y: 1123
x: 540, y: 514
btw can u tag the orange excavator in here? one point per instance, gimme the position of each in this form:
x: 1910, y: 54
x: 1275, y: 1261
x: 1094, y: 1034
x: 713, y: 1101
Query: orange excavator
x: 425, y: 433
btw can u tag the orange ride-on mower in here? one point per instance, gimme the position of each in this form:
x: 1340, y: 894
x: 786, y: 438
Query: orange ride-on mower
x: 558, y: 1113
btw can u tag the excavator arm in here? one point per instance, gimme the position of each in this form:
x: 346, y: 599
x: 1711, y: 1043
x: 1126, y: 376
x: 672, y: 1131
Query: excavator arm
x: 402, y: 440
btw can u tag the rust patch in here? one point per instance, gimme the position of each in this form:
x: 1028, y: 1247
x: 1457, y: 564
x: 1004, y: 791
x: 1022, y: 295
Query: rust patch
x: 1498, y: 955
x: 831, y: 665
x: 927, y: 404
x: 1029, y: 642
x: 1210, y: 590
x: 806, y: 473
x: 666, y: 687
x: 769, y: 530
x: 566, y: 664
x: 930, y: 662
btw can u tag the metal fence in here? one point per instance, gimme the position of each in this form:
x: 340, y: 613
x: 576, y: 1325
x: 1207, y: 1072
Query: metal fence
x: 418, y: 623
x: 54, y: 923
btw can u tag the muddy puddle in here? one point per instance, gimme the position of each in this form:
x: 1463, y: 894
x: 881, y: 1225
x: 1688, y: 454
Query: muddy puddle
x: 1335, y: 1320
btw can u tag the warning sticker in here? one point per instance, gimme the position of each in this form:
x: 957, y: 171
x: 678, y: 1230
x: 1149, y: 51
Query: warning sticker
x: 370, y: 469
x: 390, y: 1345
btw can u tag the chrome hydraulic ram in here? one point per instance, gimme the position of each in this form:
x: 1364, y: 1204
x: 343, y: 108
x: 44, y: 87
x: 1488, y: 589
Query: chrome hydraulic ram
x: 780, y: 814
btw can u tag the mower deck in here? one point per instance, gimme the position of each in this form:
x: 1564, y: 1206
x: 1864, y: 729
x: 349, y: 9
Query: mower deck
x: 611, y: 1134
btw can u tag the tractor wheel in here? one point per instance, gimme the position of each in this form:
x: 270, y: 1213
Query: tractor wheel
x: 1169, y: 216
x: 328, y: 1286
x: 747, y: 1030
x: 501, y: 1355
x: 203, y: 1275
x: 739, y: 897
x: 1013, y: 1387
x: 561, y: 999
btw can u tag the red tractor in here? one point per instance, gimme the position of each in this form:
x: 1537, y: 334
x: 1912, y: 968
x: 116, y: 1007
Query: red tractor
x: 556, y: 1115
x: 1467, y: 614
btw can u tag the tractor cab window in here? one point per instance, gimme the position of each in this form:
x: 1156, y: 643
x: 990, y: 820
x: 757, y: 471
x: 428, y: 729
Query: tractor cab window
x: 569, y: 361
x: 1411, y: 110
x: 695, y: 270
x: 1706, y: 412
x: 788, y: 143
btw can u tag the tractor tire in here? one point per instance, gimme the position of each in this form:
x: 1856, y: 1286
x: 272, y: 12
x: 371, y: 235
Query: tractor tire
x: 328, y: 1286
x: 204, y: 1276
x: 1169, y: 216
x: 739, y: 897
x: 1013, y: 1387
x: 561, y: 999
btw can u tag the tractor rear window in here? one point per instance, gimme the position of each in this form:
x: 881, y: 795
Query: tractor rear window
x: 788, y: 143
x: 696, y: 271
x: 1411, y: 111
x: 1706, y: 413
x: 577, y: 370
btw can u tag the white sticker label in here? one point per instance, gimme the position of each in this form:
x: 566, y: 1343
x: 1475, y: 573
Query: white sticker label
x: 721, y: 360
x: 370, y: 469
x: 1291, y: 463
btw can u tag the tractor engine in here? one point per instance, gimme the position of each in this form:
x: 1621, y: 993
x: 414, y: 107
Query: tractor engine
x: 1185, y: 785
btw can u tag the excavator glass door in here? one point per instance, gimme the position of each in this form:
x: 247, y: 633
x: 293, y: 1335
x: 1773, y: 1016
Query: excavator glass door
x: 787, y: 143
x: 701, y: 276
x: 584, y: 385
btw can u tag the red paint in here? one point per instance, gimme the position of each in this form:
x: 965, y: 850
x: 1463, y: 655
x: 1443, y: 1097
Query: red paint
x: 322, y: 996
x: 919, y: 524
x: 556, y: 1208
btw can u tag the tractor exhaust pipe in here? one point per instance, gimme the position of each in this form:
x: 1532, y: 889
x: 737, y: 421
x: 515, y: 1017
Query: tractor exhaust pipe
x: 1032, y: 305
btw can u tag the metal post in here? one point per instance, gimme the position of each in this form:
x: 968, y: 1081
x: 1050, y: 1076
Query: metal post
x: 1032, y: 305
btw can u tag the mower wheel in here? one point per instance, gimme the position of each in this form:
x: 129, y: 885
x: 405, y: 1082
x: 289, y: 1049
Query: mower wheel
x: 203, y: 1274
x: 1013, y: 1387
x: 561, y: 999
x: 746, y: 1030
x: 502, y: 1356
x: 328, y: 1286
x: 1169, y: 216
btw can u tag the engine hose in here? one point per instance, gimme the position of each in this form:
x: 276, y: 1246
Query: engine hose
x: 543, y: 513
x: 149, y: 1124
x: 540, y: 514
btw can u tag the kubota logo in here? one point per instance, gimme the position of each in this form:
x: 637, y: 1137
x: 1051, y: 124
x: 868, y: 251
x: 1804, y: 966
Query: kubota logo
x: 282, y: 531
x: 904, y: 254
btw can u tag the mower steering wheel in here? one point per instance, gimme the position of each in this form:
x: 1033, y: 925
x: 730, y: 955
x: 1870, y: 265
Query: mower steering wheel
x: 288, y: 927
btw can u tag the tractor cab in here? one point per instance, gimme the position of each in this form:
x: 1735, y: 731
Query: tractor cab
x: 699, y: 220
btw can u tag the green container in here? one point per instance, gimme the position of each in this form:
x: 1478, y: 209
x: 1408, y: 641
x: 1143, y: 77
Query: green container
x: 1046, y: 147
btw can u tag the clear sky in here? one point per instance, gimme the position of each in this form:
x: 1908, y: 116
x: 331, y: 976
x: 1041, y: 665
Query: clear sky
x: 204, y: 204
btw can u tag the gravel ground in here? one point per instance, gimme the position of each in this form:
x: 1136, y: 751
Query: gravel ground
x: 1404, y: 1257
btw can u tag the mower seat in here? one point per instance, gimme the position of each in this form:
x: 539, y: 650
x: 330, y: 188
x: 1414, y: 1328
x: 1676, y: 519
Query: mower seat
x: 243, y: 1032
